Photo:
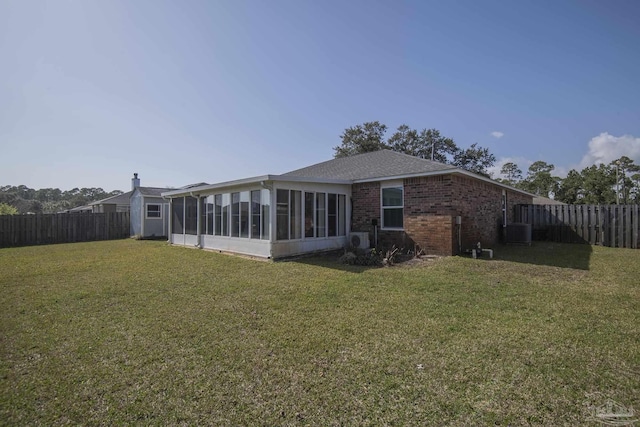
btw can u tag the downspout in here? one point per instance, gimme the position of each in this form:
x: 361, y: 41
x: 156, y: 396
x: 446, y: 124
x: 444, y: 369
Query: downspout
x: 184, y: 216
x: 197, y: 245
x: 264, y: 185
x: 169, y: 219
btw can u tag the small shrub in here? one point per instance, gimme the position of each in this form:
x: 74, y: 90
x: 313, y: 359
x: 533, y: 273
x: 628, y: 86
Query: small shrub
x: 358, y: 256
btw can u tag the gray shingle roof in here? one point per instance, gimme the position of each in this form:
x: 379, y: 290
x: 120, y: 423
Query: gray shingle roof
x: 377, y: 164
x: 120, y: 199
x: 152, y: 191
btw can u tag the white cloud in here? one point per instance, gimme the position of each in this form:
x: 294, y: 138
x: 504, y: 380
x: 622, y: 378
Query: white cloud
x: 497, y: 134
x: 606, y: 148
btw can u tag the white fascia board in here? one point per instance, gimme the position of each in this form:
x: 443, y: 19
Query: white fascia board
x: 205, y: 188
x: 491, y: 181
x: 452, y: 171
x: 247, y: 181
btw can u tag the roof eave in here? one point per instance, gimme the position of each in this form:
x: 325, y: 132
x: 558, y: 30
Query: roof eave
x: 205, y: 188
x: 249, y: 181
x: 405, y: 176
x: 445, y: 172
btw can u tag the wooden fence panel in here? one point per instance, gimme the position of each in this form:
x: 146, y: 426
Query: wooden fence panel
x: 606, y: 225
x: 23, y: 230
x: 635, y: 226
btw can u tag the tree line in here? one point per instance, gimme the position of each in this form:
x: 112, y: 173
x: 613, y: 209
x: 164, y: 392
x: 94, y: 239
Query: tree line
x: 618, y: 181
x: 602, y: 184
x: 426, y: 144
x: 22, y: 199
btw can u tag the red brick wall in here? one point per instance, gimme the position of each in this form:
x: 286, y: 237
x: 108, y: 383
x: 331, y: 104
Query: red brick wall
x: 429, y: 214
x: 479, y: 203
x: 365, y: 205
x: 435, y: 234
x: 430, y: 207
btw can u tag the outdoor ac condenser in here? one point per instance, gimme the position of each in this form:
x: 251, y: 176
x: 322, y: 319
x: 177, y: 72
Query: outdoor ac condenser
x: 359, y: 239
x: 519, y: 233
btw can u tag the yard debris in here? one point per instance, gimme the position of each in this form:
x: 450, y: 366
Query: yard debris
x: 384, y: 258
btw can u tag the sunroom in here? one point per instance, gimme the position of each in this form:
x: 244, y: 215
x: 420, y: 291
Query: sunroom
x: 267, y: 216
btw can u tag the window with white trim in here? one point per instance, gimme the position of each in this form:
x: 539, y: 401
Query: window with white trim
x: 154, y: 211
x: 392, y: 207
x: 504, y: 208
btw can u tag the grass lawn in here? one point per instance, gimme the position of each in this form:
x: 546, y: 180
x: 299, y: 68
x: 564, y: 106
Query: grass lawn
x: 137, y: 332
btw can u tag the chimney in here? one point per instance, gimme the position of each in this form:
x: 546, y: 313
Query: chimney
x: 135, y: 182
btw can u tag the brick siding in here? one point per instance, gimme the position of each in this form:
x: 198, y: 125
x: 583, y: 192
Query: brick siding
x: 431, y: 205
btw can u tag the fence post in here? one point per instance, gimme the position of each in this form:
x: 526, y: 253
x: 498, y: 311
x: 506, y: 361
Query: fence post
x: 636, y: 222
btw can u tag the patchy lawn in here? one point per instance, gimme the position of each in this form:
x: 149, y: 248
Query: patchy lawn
x: 137, y: 332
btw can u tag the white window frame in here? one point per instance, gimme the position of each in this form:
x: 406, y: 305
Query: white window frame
x: 504, y: 208
x: 146, y: 211
x: 384, y: 186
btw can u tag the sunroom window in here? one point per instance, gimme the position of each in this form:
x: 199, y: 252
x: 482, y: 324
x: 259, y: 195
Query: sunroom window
x: 324, y: 214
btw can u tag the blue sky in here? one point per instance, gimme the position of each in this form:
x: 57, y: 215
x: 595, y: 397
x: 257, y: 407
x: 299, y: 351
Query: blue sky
x: 191, y: 91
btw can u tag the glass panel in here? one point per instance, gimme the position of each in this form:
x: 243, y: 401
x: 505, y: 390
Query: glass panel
x: 342, y: 216
x: 191, y: 215
x: 177, y: 219
x: 244, y: 214
x: 392, y: 196
x: 255, y: 214
x: 321, y: 229
x: 235, y: 214
x: 296, y: 214
x: 309, y: 229
x: 266, y: 203
x: 218, y: 214
x: 392, y: 217
x: 153, y: 211
x: 332, y: 214
x: 226, y: 205
x: 203, y: 214
x: 282, y: 214
x: 209, y: 215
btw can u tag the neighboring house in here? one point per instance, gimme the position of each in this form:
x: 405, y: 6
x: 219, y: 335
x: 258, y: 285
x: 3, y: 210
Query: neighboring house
x: 540, y: 200
x: 149, y: 211
x: 384, y: 195
x: 118, y: 203
x: 79, y: 209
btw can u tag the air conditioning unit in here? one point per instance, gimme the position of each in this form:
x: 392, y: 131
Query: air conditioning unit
x: 519, y: 233
x: 359, y: 239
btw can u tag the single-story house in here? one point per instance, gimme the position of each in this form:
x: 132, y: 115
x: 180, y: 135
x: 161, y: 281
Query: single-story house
x: 117, y: 203
x: 149, y: 210
x: 382, y: 198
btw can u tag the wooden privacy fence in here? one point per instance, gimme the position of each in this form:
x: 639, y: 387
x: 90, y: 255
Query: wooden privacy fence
x: 24, y: 230
x: 606, y: 225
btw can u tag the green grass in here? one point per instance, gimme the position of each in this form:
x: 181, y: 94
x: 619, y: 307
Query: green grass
x: 140, y: 333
